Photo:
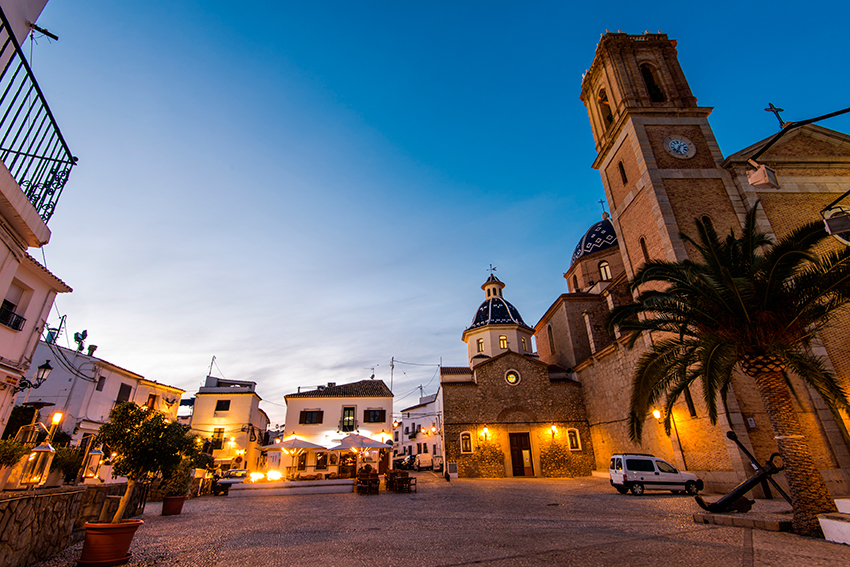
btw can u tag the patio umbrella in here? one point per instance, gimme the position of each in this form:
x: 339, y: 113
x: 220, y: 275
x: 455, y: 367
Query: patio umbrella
x: 294, y: 447
x: 359, y: 443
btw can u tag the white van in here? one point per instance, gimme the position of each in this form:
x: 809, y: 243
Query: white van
x: 423, y: 461
x: 637, y: 472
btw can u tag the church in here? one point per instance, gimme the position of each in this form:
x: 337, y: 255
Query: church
x: 661, y: 168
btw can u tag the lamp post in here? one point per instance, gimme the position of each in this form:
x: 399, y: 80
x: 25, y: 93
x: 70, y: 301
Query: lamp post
x: 41, y: 374
x: 37, y: 466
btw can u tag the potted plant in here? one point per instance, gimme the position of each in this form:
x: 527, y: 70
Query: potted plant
x: 66, y: 462
x: 175, y: 488
x: 144, y: 444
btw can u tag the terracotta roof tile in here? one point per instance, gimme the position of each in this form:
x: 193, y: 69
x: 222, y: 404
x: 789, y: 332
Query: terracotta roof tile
x: 361, y: 389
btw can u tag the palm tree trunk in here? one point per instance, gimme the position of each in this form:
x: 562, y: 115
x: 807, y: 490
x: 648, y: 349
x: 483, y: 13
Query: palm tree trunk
x: 809, y: 495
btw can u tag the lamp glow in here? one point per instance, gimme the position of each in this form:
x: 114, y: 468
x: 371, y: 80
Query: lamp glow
x: 656, y: 414
x: 57, y: 417
x: 255, y: 476
x: 274, y: 475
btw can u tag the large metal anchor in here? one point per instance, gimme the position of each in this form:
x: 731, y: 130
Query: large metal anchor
x: 736, y: 500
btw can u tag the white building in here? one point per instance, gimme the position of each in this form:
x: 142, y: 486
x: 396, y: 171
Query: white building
x: 86, y: 388
x: 418, y: 431
x: 327, y: 414
x: 228, y: 417
x: 35, y: 167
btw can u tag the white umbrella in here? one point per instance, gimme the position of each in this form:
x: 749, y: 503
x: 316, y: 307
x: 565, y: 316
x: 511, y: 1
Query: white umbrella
x: 359, y: 443
x: 294, y: 447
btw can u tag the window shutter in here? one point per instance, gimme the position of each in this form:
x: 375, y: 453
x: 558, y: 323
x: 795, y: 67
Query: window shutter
x: 383, y: 415
x: 320, y: 415
x: 366, y: 416
x: 302, y: 417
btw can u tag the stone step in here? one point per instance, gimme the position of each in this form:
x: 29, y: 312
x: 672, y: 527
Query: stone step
x: 835, y: 527
x: 289, y: 488
x: 843, y: 505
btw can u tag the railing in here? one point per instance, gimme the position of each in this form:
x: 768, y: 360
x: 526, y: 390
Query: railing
x: 31, y: 145
x: 348, y: 425
x: 12, y: 320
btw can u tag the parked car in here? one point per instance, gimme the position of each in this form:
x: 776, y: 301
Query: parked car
x: 422, y: 461
x: 637, y: 472
x: 228, y: 478
x: 406, y: 463
x: 398, y: 461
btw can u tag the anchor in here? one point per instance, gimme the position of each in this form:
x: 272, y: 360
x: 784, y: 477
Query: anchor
x: 736, y: 500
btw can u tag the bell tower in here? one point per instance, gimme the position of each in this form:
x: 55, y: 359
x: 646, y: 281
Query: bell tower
x: 657, y: 155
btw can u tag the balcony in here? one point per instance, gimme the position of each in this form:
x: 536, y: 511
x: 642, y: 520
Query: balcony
x: 31, y: 145
x: 11, y: 320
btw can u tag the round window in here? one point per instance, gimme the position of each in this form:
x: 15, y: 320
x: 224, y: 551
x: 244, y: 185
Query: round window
x: 512, y: 377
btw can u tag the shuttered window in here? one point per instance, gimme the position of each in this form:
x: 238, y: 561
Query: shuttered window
x: 311, y: 417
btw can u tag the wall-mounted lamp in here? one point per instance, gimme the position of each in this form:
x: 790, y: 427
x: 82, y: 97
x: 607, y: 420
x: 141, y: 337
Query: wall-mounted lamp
x: 37, y: 466
x: 395, y: 424
x: 485, y: 432
x: 657, y: 415
x: 91, y: 466
x: 554, y: 431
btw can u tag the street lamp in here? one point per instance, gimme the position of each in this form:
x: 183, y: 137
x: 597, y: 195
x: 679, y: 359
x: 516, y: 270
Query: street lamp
x: 41, y: 374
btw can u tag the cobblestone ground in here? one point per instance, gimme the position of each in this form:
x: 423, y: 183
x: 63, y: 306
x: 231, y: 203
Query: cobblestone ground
x: 504, y: 522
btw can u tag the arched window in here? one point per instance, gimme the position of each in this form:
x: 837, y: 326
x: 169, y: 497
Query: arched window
x: 551, y: 339
x: 488, y: 293
x: 655, y: 92
x: 622, y: 172
x: 643, y: 249
x: 575, y: 284
x: 503, y: 341
x: 605, y: 108
x: 604, y: 271
x: 466, y: 442
x: 524, y: 345
x: 574, y: 439
x: 480, y: 345
x: 706, y: 220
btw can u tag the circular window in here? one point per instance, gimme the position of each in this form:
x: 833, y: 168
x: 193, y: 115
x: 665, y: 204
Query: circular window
x: 512, y: 377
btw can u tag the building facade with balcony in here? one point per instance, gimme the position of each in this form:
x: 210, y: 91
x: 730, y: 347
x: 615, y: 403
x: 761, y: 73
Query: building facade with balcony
x: 227, y: 416
x: 86, y: 388
x: 36, y: 163
x: 418, y: 430
x: 326, y: 414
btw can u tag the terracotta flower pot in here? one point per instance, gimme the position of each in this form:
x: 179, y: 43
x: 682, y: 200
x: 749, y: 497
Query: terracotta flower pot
x: 108, y: 544
x: 172, y: 505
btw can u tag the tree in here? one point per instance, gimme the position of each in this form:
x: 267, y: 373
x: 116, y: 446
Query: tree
x: 751, y: 302
x: 144, y: 444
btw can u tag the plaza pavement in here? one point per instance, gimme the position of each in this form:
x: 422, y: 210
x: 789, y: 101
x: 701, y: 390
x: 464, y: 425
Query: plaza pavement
x: 499, y: 522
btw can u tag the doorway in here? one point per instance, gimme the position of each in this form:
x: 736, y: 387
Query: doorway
x: 521, y: 454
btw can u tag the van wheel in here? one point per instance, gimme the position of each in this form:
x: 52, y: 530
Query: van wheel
x: 621, y: 489
x: 691, y: 488
x: 637, y: 489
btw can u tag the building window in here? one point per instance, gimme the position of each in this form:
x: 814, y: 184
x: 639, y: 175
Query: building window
x: 655, y: 92
x: 524, y: 345
x: 605, y: 108
x: 310, y: 417
x: 643, y: 249
x: 503, y: 341
x: 574, y: 440
x: 480, y: 343
x: 575, y: 284
x: 706, y: 220
x: 374, y: 416
x: 101, y: 380
x: 425, y: 448
x: 222, y: 405
x: 604, y: 271
x: 124, y: 393
x: 466, y: 442
x: 321, y: 461
x: 434, y: 449
x: 302, y: 462
x: 151, y: 401
x: 218, y: 437
x: 622, y: 172
x: 551, y: 339
x: 418, y: 448
x: 512, y: 377
x: 395, y: 436
x: 348, y: 421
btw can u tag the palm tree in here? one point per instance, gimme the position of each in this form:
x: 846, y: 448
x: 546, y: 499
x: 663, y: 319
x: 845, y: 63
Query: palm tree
x: 751, y: 302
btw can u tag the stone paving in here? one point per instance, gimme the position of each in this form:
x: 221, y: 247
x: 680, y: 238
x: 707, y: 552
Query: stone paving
x: 499, y: 522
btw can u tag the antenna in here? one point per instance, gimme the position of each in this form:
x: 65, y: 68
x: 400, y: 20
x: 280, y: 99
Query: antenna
x: 211, y: 365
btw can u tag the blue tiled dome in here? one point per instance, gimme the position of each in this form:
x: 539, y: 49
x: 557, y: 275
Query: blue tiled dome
x: 600, y: 236
x: 496, y: 311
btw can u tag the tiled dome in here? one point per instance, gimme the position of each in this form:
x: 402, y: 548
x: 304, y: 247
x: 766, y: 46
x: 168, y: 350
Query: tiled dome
x: 600, y: 236
x: 496, y: 310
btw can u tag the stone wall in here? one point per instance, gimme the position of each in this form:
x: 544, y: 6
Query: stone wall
x: 94, y: 497
x: 36, y: 524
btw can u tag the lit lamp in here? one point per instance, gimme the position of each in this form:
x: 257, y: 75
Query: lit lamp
x: 657, y: 415
x: 485, y: 432
x: 54, y: 423
x: 91, y: 466
x: 554, y: 431
x: 37, y: 466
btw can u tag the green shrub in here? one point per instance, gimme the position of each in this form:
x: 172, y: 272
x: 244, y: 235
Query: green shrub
x: 11, y: 452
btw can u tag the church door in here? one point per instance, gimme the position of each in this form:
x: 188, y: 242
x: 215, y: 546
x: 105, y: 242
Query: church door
x: 521, y: 454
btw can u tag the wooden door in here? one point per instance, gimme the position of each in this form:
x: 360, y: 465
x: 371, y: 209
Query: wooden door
x: 521, y: 454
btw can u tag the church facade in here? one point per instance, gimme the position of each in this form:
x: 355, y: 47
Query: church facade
x: 661, y: 168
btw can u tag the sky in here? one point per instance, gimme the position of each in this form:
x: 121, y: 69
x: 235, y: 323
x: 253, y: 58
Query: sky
x: 308, y: 190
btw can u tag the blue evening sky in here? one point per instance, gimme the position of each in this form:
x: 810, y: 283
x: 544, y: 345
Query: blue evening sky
x: 307, y: 189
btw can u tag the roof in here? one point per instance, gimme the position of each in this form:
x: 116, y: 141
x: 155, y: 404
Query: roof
x: 455, y: 370
x: 60, y: 286
x: 598, y: 237
x: 361, y: 389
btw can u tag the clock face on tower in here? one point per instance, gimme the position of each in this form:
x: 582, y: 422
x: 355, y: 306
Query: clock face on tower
x: 679, y: 147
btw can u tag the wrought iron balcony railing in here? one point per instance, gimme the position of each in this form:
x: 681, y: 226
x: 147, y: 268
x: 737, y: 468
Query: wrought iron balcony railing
x: 10, y: 319
x: 31, y: 145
